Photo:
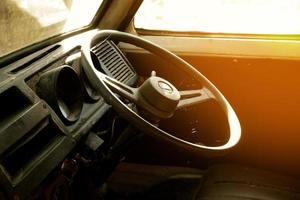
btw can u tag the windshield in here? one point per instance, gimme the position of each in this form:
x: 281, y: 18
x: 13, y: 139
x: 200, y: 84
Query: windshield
x: 24, y: 22
x: 221, y: 16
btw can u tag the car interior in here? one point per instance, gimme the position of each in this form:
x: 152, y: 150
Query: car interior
x: 149, y: 99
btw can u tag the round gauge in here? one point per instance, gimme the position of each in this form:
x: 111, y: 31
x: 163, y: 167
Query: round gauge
x: 62, y: 90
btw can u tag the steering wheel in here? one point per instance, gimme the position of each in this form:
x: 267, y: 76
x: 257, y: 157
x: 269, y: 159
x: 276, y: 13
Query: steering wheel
x: 157, y: 95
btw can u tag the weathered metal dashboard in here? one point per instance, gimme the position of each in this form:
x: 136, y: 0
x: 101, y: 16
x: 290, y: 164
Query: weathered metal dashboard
x: 47, y: 106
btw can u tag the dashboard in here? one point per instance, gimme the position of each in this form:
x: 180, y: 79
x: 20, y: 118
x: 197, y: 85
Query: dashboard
x: 48, y: 105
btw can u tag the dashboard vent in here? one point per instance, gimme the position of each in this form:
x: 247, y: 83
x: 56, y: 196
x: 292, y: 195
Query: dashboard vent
x: 12, y: 103
x: 22, y: 155
x: 113, y: 62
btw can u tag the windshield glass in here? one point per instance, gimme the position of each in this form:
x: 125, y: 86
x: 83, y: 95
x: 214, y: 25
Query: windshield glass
x: 273, y: 17
x: 24, y: 22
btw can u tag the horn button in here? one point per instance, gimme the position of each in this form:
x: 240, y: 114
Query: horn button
x: 161, y: 95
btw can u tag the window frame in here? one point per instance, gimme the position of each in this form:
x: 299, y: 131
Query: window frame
x: 215, y: 35
x: 233, y: 47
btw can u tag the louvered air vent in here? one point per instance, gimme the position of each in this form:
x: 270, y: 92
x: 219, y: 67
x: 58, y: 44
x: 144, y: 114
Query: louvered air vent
x: 114, y: 63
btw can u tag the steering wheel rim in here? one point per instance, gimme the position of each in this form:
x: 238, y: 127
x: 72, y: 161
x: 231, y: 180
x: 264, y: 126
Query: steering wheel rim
x: 98, y: 81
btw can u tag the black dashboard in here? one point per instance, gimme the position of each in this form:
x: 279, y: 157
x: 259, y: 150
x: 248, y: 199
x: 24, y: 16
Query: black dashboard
x: 48, y: 105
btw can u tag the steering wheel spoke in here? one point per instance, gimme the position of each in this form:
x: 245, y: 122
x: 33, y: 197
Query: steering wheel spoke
x: 120, y: 88
x: 192, y: 97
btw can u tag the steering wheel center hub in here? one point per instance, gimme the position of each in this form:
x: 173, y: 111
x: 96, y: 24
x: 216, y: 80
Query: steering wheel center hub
x: 161, y: 95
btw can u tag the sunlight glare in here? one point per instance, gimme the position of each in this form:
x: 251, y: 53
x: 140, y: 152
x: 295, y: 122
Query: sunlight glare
x: 221, y: 16
x: 80, y: 13
x: 50, y: 12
